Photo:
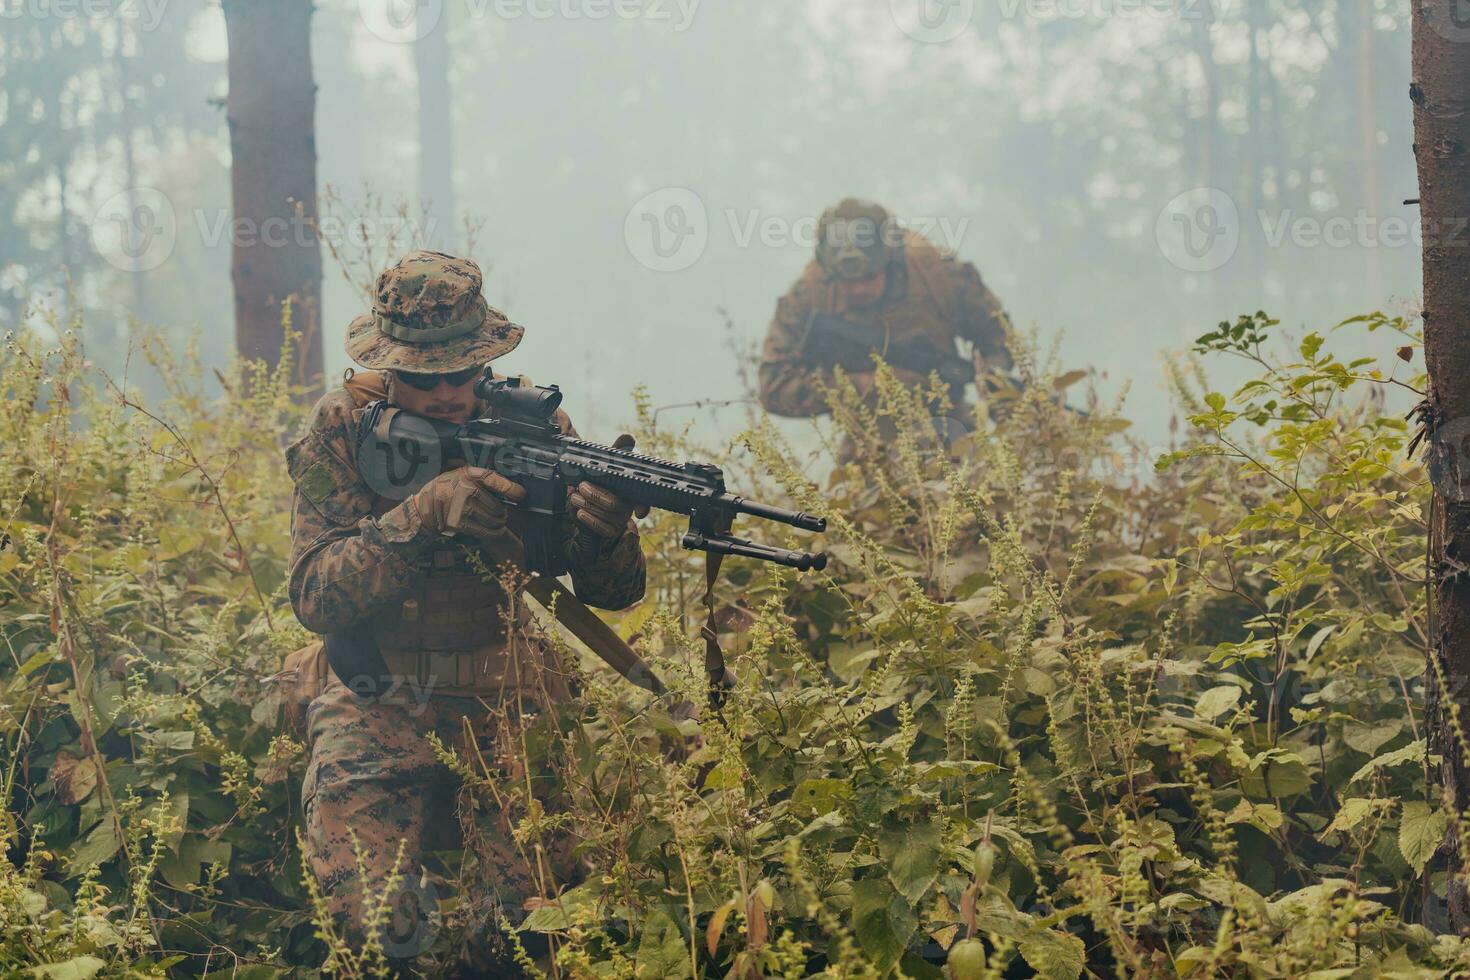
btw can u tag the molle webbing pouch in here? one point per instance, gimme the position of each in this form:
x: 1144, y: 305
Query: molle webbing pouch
x: 452, y: 608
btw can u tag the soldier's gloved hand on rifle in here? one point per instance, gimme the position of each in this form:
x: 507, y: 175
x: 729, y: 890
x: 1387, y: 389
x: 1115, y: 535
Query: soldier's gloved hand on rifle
x: 600, y: 511
x: 468, y: 500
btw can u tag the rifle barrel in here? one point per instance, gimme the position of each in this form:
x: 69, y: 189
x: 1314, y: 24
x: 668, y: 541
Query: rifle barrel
x: 794, y: 518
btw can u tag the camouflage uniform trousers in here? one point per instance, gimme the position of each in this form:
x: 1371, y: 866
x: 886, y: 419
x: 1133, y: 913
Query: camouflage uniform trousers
x: 374, y: 776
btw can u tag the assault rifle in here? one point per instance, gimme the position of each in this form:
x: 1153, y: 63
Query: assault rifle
x: 520, y: 440
x: 831, y: 340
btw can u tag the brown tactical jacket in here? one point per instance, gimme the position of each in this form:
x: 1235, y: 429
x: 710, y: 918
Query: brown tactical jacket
x: 932, y: 293
x: 356, y: 556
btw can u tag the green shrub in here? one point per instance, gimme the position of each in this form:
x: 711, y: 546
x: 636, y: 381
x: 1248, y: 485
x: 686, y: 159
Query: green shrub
x: 1095, y: 719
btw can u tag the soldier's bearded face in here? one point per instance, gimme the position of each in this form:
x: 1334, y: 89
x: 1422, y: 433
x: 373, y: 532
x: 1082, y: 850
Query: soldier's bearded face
x: 453, y: 403
x: 863, y: 292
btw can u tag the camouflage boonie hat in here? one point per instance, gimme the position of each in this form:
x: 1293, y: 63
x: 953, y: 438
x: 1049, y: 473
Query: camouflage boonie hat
x: 428, y: 317
x: 857, y: 239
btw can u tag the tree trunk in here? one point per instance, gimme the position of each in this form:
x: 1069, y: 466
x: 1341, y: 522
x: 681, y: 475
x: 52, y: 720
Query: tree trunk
x: 1441, y: 96
x: 275, y: 253
x: 1367, y: 143
x: 436, y: 160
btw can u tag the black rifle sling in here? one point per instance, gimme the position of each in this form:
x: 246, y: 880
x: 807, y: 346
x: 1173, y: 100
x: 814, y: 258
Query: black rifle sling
x: 715, y: 671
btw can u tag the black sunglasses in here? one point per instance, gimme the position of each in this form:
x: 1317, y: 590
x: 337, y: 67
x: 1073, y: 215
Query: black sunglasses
x: 428, y: 382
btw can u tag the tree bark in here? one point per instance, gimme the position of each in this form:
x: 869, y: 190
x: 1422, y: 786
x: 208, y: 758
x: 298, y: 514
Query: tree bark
x: 271, y: 110
x: 1441, y: 95
x: 436, y: 159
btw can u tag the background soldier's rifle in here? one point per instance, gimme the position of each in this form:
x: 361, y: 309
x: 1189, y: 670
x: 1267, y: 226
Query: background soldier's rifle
x: 830, y: 340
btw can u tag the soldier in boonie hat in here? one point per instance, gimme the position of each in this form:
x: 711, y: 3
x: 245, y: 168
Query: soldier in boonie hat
x: 402, y: 564
x: 428, y: 317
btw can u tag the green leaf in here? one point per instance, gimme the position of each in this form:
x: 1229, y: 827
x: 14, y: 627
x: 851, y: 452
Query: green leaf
x: 662, y: 954
x: 77, y: 968
x: 816, y: 797
x: 1421, y: 829
x: 850, y: 661
x: 176, y: 540
x: 1276, y: 774
x: 882, y: 921
x: 562, y: 913
x: 183, y: 869
x: 170, y: 740
x: 1054, y: 955
x: 723, y: 776
x: 1413, y: 752
x: 37, y: 660
x: 1369, y: 738
x: 1216, y: 701
x: 98, y: 846
x: 1265, y: 817
x: 1318, y: 638
x: 1354, y: 812
x: 912, y: 856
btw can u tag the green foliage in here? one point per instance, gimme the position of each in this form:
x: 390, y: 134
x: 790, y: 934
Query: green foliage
x: 1042, y: 712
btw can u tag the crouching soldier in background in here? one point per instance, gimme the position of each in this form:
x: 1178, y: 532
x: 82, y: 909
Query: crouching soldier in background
x: 406, y: 575
x: 876, y: 288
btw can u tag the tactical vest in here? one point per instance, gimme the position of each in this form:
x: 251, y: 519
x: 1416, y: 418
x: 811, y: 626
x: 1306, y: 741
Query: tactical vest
x: 451, y: 632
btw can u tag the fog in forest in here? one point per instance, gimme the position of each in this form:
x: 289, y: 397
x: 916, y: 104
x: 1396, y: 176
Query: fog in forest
x: 640, y: 178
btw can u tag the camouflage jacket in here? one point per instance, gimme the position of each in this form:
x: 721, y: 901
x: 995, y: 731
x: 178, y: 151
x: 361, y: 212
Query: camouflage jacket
x: 931, y: 294
x: 352, y: 554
